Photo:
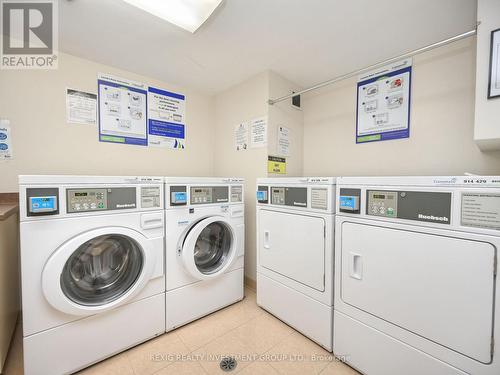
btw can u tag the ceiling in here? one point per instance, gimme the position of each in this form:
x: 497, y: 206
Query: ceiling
x: 306, y: 41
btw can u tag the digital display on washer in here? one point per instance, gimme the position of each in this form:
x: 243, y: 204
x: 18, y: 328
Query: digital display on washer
x: 43, y: 204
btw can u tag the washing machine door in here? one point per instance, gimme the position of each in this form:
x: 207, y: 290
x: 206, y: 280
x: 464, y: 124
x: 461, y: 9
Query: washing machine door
x: 209, y: 248
x: 98, y: 270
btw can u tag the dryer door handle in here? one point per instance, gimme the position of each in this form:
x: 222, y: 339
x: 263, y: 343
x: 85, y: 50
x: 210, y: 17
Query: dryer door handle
x: 355, y: 266
x: 267, y: 239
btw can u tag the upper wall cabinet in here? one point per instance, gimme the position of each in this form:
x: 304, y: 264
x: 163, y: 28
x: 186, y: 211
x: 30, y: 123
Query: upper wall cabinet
x: 487, y: 110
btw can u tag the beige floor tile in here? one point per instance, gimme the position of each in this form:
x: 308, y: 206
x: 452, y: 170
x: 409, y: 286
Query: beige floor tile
x: 298, y: 355
x: 156, y: 354
x: 117, y: 365
x: 204, y: 330
x: 182, y: 368
x: 230, y: 345
x: 208, y: 328
x: 241, y: 312
x: 262, y: 333
x: 259, y: 368
x: 339, y: 368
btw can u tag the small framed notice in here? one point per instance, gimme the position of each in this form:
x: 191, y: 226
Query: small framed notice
x: 494, y: 79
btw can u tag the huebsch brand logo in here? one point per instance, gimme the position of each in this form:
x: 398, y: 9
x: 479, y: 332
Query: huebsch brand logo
x: 29, y: 34
x: 126, y: 205
x: 433, y: 218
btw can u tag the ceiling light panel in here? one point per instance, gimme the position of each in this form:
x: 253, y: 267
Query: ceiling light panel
x: 187, y: 14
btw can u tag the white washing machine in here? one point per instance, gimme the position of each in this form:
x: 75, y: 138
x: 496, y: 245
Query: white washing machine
x: 295, y: 253
x: 416, y: 285
x: 92, y: 268
x: 205, y: 242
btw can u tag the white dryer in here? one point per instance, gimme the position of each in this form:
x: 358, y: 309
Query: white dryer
x: 91, y: 268
x: 416, y: 286
x: 295, y: 253
x: 205, y: 242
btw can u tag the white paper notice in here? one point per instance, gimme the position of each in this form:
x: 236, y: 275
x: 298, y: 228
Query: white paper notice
x: 5, y: 140
x: 283, y: 141
x: 81, y: 107
x: 258, y: 132
x: 241, y: 136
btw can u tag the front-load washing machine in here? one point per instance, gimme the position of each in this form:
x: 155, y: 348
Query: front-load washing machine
x: 205, y: 242
x: 91, y: 268
x: 295, y: 253
x: 416, y: 286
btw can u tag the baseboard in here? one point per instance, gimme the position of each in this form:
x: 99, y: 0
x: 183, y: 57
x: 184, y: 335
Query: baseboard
x: 250, y: 283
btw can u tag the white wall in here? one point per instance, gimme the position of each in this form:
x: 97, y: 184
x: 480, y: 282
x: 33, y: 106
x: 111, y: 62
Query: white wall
x: 442, y: 124
x: 34, y: 102
x: 285, y: 115
x: 487, y: 120
x: 242, y: 102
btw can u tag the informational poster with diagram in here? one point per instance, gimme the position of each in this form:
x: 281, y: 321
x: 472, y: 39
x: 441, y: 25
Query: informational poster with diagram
x: 383, y: 110
x: 5, y: 140
x: 122, y: 111
x: 166, y: 119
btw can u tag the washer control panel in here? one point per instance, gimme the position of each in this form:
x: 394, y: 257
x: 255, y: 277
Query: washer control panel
x: 87, y: 200
x: 209, y: 194
x: 382, y: 203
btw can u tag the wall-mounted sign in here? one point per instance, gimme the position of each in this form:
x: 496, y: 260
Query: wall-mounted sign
x: 276, y: 165
x: 5, y: 140
x: 122, y: 111
x: 258, y: 132
x: 283, y: 141
x: 241, y: 136
x: 494, y: 80
x: 383, y: 103
x: 166, y: 119
x: 81, y: 107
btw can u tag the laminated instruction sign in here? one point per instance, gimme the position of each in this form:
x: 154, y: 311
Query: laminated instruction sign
x: 122, y: 111
x: 383, y: 103
x: 166, y: 119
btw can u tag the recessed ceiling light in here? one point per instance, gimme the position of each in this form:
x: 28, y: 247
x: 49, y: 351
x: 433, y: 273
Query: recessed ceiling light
x: 188, y: 14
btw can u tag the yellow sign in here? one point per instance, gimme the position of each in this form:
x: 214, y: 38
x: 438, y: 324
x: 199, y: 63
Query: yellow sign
x: 276, y: 165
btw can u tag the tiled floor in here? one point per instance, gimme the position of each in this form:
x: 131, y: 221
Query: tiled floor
x: 261, y: 343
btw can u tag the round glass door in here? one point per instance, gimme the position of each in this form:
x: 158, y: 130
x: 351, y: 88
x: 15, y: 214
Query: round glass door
x: 212, y: 247
x: 102, y: 269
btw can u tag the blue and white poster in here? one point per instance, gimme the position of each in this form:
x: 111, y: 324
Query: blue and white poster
x: 5, y: 140
x: 383, y: 103
x: 166, y: 119
x: 122, y: 111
